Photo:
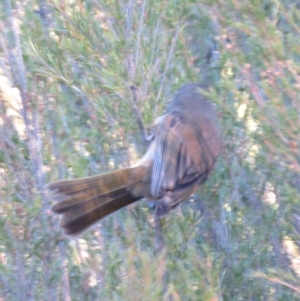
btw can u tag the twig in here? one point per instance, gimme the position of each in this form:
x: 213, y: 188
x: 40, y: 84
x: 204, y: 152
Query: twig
x: 141, y: 25
x: 131, y: 65
x: 170, y: 56
x: 21, y: 80
x: 254, y: 88
x: 139, y: 117
x: 159, y: 236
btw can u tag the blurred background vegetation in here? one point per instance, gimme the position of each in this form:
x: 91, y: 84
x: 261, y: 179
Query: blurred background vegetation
x: 80, y: 84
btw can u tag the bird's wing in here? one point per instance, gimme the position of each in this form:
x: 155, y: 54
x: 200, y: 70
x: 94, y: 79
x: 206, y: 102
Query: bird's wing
x: 179, y: 155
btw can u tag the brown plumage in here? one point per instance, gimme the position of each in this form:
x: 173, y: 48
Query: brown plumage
x: 184, y: 146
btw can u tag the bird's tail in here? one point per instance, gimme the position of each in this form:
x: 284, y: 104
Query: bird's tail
x: 83, y: 202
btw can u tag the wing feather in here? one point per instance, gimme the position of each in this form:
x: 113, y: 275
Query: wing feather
x: 174, y: 163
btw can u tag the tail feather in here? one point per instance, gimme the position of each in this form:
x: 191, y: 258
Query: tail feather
x: 78, y: 220
x: 83, y: 202
x: 107, y: 182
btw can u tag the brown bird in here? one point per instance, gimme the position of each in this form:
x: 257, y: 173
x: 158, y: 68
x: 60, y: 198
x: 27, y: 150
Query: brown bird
x: 184, y: 146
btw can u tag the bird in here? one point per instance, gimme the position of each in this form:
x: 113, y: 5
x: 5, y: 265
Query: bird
x: 183, y: 148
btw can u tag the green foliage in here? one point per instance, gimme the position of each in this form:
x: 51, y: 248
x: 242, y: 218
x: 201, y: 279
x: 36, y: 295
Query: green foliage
x: 96, y: 74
